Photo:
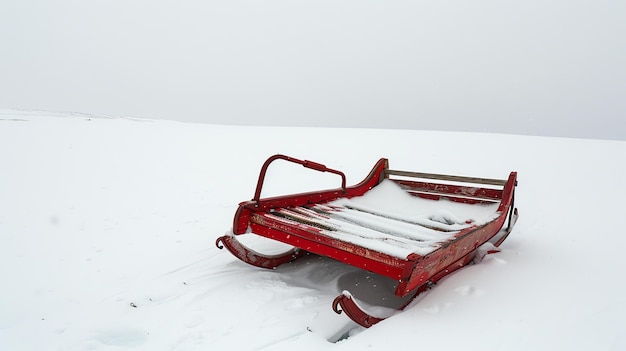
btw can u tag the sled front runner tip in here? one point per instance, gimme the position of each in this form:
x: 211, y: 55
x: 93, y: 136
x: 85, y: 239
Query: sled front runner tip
x: 412, y: 227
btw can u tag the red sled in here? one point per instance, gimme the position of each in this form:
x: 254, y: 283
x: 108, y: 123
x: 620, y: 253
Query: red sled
x: 412, y: 227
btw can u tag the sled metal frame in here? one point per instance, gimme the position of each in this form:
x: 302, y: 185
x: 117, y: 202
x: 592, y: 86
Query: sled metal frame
x: 415, y: 273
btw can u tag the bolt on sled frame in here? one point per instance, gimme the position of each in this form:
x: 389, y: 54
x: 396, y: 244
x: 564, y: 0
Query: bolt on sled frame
x: 351, y: 225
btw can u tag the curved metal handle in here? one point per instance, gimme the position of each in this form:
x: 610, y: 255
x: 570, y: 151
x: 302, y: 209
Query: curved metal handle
x: 306, y: 163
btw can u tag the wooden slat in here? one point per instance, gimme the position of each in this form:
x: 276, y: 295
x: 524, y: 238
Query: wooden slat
x: 451, y: 178
x: 453, y: 198
x: 450, y: 190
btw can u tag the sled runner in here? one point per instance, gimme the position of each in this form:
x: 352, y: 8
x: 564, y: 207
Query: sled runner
x: 413, y: 227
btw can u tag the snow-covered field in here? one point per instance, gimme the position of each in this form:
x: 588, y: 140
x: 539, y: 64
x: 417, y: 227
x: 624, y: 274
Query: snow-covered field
x: 108, y: 228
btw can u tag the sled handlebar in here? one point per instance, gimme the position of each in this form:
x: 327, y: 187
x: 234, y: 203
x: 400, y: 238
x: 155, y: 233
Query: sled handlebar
x: 306, y: 163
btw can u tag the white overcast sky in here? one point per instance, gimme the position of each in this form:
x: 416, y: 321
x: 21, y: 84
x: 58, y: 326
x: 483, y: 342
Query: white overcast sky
x: 539, y: 67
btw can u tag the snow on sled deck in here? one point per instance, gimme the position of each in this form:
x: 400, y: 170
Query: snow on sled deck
x: 402, y: 225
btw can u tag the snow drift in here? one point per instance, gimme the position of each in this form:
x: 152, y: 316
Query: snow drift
x: 107, y: 228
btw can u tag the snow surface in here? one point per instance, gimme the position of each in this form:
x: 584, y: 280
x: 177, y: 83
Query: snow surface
x: 108, y: 225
